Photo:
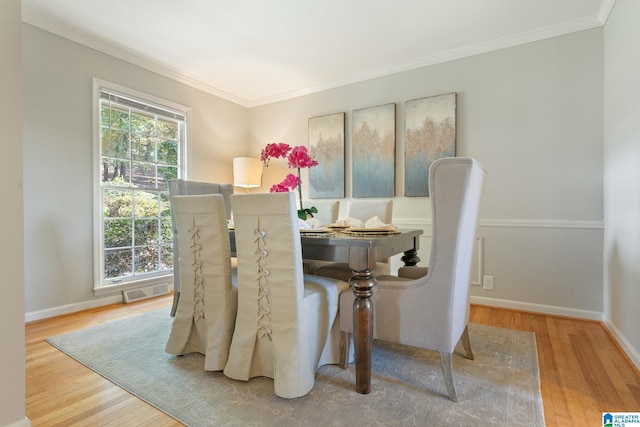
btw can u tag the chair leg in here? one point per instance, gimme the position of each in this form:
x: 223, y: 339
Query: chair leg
x: 174, y: 306
x: 466, y: 343
x: 344, y: 349
x: 445, y: 362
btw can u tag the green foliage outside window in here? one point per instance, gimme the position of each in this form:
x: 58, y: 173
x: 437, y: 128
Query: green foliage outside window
x: 139, y: 155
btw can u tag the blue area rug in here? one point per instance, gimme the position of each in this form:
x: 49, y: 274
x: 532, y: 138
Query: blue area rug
x: 500, y: 387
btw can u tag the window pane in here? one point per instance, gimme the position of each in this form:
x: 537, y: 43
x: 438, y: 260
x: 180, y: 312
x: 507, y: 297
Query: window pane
x: 142, y: 123
x: 166, y: 257
x: 117, y: 263
x: 165, y: 173
x: 167, y: 129
x: 117, y: 203
x: 146, y: 231
x: 117, y: 233
x: 118, y: 117
x: 165, y: 206
x: 145, y: 204
x: 165, y: 230
x: 115, y: 143
x: 146, y: 259
x: 115, y: 172
x: 143, y: 174
x: 143, y: 147
x: 168, y: 152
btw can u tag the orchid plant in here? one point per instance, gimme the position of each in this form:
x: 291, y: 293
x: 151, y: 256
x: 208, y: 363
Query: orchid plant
x: 297, y: 157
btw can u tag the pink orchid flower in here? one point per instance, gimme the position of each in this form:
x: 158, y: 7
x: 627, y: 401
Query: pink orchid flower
x: 274, y: 150
x: 299, y: 158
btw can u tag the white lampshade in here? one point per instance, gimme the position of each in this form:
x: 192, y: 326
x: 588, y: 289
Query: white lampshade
x: 247, y: 172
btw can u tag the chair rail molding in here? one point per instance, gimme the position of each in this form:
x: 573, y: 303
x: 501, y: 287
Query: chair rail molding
x: 515, y: 223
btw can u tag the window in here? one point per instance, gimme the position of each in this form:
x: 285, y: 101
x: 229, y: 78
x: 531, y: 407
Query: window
x: 140, y: 147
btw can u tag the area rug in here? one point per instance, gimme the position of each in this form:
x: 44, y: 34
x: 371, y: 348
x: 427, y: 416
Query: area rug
x: 500, y: 387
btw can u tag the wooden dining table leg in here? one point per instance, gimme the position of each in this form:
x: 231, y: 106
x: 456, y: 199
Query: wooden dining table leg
x: 410, y: 258
x: 362, y: 284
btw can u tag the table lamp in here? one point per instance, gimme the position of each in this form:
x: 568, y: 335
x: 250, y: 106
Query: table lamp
x: 247, y: 172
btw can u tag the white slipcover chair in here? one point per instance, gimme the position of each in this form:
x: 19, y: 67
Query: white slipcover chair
x: 206, y: 313
x: 432, y: 311
x: 328, y: 211
x: 362, y: 210
x: 181, y: 187
x: 365, y: 209
x: 287, y: 322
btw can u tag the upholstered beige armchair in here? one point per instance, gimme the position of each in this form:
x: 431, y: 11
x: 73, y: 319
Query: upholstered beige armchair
x: 287, y: 322
x: 181, y: 187
x: 431, y: 309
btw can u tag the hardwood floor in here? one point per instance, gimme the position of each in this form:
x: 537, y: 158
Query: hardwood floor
x: 62, y: 392
x: 582, y: 372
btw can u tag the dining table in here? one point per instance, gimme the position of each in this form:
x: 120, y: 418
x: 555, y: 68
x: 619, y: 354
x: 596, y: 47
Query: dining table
x: 361, y: 250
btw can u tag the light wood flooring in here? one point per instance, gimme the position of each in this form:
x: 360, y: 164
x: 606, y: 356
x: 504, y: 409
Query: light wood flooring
x: 582, y: 372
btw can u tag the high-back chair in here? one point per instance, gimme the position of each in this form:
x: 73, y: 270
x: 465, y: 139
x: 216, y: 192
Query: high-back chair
x: 181, y: 187
x: 287, y: 322
x: 328, y: 210
x: 362, y: 210
x: 206, y: 313
x: 432, y: 311
x: 365, y: 209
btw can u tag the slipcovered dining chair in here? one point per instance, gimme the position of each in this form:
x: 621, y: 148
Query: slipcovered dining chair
x: 365, y: 209
x: 362, y: 210
x: 430, y: 308
x: 206, y: 313
x: 328, y: 211
x: 181, y: 187
x: 287, y: 323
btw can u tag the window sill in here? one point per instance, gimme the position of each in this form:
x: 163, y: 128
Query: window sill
x: 137, y: 284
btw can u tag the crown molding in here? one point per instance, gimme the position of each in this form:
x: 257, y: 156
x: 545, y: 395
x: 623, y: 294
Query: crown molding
x: 451, y: 55
x: 130, y: 57
x: 605, y: 10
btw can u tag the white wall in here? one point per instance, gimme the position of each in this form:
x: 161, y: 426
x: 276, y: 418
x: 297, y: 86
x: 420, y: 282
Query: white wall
x: 622, y: 174
x: 58, y: 77
x: 532, y: 115
x: 12, y: 356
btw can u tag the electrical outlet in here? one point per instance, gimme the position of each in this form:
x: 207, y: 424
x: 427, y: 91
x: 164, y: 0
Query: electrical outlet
x: 487, y: 283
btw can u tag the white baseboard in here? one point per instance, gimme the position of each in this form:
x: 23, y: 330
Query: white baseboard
x: 625, y: 345
x: 631, y: 352
x: 71, y: 308
x: 25, y: 422
x: 537, y: 308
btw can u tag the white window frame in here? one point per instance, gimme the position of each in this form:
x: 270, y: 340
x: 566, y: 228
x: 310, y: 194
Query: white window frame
x: 101, y: 285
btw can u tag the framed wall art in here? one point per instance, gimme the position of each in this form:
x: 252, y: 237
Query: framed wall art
x: 430, y: 133
x: 374, y: 151
x: 326, y: 145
